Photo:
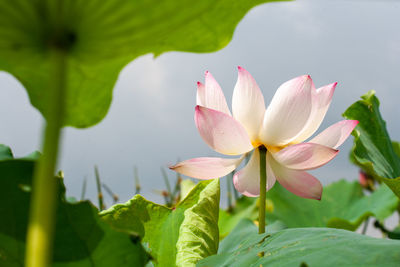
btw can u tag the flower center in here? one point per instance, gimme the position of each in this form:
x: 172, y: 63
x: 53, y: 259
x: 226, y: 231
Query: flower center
x: 273, y: 149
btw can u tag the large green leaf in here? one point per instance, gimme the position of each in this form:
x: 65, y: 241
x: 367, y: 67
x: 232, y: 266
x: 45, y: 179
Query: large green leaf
x: 176, y: 237
x: 343, y: 205
x: 373, y: 150
x: 100, y: 37
x: 81, y: 239
x: 242, y: 231
x: 309, y: 247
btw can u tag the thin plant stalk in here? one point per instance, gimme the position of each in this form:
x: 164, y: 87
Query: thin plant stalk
x: 99, y: 193
x: 365, y: 226
x: 111, y: 193
x: 263, y: 189
x: 167, y: 198
x: 177, y: 187
x: 83, y: 189
x: 137, y: 182
x: 43, y: 202
x: 165, y: 176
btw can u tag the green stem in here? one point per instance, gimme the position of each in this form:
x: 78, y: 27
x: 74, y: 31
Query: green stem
x: 263, y: 189
x: 44, y: 193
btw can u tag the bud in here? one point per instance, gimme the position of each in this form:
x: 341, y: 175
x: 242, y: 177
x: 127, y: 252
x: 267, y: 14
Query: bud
x: 366, y: 181
x: 363, y: 180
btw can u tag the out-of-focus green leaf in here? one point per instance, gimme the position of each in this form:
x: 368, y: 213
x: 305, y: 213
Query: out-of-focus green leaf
x: 395, y: 234
x: 33, y: 156
x: 82, y: 238
x: 373, y: 150
x: 396, y: 148
x: 99, y: 38
x: 5, y: 152
x: 245, y: 208
x: 343, y: 205
x: 309, y: 247
x: 176, y: 237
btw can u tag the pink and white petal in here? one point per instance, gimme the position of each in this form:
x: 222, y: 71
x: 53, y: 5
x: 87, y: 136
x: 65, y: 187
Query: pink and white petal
x: 299, y: 183
x: 336, y: 134
x: 201, y: 94
x: 206, y: 167
x: 271, y: 178
x: 248, y: 105
x: 210, y: 95
x: 305, y: 156
x: 322, y: 98
x: 222, y: 132
x: 288, y: 112
x: 247, y: 180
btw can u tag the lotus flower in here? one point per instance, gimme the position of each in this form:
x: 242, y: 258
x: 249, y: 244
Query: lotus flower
x: 295, y: 113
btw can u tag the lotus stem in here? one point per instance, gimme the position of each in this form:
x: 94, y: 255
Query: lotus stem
x: 263, y: 189
x: 44, y: 194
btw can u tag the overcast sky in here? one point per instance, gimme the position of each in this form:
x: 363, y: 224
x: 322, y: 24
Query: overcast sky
x: 150, y: 123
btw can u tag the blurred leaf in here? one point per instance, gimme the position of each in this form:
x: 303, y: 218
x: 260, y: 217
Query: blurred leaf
x: 309, y: 247
x: 33, y: 156
x: 176, y: 237
x: 343, y: 205
x: 373, y: 150
x: 5, y: 152
x: 100, y: 37
x: 396, y: 148
x: 245, y: 208
x: 395, y: 234
x: 392, y: 234
x: 81, y: 239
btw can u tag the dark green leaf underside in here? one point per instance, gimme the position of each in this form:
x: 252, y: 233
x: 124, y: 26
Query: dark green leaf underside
x: 100, y: 37
x: 82, y: 238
